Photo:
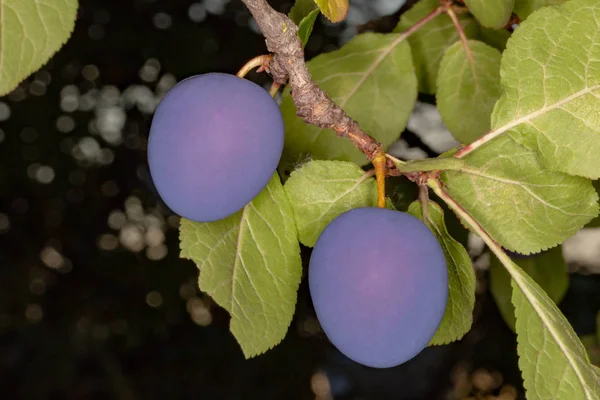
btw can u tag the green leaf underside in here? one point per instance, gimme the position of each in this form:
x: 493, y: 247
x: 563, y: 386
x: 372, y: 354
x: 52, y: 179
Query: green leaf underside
x: 547, y: 269
x: 31, y: 31
x: 523, y: 206
x: 334, y: 10
x: 372, y: 78
x: 552, y: 359
x: 429, y: 43
x: 468, y: 87
x: 491, y: 14
x: 301, y: 10
x: 551, y: 79
x: 428, y: 164
x: 319, y: 191
x: 458, y: 316
x: 250, y: 265
x: 306, y: 26
x: 523, y: 8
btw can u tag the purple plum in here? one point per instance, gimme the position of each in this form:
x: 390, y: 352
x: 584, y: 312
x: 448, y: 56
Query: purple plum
x: 214, y: 144
x: 379, y: 284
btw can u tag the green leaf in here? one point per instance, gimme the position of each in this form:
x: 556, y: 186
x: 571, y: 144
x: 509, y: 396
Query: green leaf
x: 334, y: 10
x: 306, y: 26
x: 427, y: 164
x: 553, y: 360
x: 372, y: 78
x: 496, y: 38
x: 319, y: 191
x: 31, y: 32
x: 523, y: 206
x: 547, y: 269
x: 458, y: 316
x: 551, y: 83
x: 430, y: 42
x: 250, y: 265
x: 523, y: 8
x: 491, y: 14
x: 301, y: 10
x: 468, y: 87
x: 304, y: 13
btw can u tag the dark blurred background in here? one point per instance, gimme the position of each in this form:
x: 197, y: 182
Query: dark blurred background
x: 94, y: 301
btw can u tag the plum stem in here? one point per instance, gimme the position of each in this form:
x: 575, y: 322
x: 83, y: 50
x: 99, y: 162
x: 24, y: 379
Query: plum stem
x: 260, y: 62
x: 379, y: 162
x: 313, y: 105
x: 274, y: 89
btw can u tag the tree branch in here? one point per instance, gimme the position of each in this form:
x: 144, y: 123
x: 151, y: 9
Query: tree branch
x: 312, y: 104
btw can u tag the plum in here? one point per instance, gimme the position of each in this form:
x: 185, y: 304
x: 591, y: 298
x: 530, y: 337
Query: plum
x: 379, y: 285
x: 214, y: 144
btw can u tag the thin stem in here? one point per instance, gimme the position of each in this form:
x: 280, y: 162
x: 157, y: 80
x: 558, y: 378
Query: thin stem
x: 379, y: 162
x: 256, y: 62
x: 461, y: 34
x: 424, y: 199
x: 439, y: 10
x: 436, y: 185
x: 479, y: 142
x: 274, y: 89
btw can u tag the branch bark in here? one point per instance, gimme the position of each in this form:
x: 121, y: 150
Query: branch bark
x: 313, y: 105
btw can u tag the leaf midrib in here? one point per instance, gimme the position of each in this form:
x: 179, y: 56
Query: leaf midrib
x: 564, y: 349
x: 238, y: 256
x: 543, y: 110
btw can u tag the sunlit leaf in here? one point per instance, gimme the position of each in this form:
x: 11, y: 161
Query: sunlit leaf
x: 319, y: 191
x: 250, y: 265
x: 468, y: 87
x: 525, y: 207
x: 551, y: 87
x: 31, y: 31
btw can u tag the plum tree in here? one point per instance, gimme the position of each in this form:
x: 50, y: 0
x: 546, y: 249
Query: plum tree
x: 379, y: 284
x: 214, y: 144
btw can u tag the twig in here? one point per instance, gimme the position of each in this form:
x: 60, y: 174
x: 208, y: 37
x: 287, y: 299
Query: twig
x: 313, y: 105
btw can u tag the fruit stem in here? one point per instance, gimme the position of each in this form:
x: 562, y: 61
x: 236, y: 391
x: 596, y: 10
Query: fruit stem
x: 260, y: 62
x: 424, y: 199
x: 274, y: 89
x: 379, y: 162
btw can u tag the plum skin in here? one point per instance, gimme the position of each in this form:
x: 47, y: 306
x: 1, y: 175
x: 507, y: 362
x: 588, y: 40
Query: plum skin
x: 214, y: 144
x: 379, y: 284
